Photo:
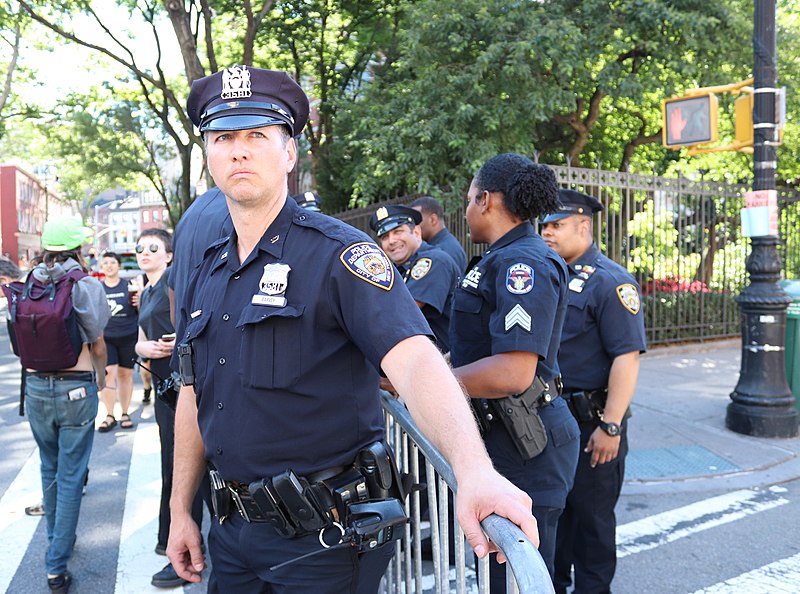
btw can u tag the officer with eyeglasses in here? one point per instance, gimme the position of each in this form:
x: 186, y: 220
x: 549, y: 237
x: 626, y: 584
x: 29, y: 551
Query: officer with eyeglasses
x: 285, y: 327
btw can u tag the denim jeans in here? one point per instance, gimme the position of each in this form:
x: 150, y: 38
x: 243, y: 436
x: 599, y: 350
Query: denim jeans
x: 64, y: 432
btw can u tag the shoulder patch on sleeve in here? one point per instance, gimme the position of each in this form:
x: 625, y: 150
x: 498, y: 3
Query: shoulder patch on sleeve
x: 519, y: 279
x: 369, y: 263
x: 421, y: 268
x: 629, y: 297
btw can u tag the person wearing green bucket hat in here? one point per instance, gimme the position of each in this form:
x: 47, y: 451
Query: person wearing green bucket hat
x: 62, y: 404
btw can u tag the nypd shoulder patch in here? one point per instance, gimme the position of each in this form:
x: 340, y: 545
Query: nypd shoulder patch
x: 369, y: 263
x: 421, y: 268
x: 629, y: 297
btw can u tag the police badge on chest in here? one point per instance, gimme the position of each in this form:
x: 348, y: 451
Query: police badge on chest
x: 272, y: 286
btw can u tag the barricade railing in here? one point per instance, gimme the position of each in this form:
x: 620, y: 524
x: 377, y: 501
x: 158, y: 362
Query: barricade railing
x: 407, y: 574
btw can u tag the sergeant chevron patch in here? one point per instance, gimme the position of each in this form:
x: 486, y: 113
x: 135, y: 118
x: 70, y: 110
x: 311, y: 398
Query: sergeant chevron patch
x: 518, y: 317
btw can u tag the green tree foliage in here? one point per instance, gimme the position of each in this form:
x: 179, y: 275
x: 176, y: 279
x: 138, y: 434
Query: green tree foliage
x: 475, y: 78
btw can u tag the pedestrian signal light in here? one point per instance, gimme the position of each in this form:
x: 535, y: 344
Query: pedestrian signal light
x: 689, y: 120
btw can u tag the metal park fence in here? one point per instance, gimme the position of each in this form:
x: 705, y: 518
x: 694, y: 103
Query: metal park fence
x: 407, y: 572
x: 680, y: 237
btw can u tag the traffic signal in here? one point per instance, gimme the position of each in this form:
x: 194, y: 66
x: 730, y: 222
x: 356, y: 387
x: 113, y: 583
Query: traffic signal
x: 689, y: 120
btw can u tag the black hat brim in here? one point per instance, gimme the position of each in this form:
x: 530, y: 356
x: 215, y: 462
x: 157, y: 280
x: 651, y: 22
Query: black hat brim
x: 242, y: 122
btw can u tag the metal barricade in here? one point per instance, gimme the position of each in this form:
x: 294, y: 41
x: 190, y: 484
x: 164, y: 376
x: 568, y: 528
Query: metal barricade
x: 407, y: 573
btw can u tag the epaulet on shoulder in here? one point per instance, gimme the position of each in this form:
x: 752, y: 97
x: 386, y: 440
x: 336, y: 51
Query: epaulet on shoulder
x: 215, y: 245
x: 614, y: 270
x: 330, y: 227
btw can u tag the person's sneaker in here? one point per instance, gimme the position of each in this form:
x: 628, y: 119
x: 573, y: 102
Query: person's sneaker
x: 167, y: 578
x: 146, y: 398
x: 60, y: 584
x: 35, y: 510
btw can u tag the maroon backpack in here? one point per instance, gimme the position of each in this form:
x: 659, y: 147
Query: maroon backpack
x: 42, y: 324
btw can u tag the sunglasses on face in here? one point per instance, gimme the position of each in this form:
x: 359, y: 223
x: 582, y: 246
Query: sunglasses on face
x: 153, y: 247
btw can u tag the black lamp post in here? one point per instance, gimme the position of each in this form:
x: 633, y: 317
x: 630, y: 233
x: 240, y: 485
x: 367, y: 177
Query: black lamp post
x: 763, y: 404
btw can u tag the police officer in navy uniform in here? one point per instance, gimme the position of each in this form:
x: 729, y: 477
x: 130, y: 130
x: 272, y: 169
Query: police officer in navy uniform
x: 599, y: 358
x: 429, y: 273
x: 505, y: 330
x: 285, y: 326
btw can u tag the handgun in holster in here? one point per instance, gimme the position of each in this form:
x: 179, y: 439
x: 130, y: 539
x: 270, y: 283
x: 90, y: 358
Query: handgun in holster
x: 520, y: 416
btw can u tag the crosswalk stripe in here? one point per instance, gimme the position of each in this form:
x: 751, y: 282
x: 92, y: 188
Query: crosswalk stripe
x: 653, y: 531
x: 137, y: 561
x: 780, y: 577
x: 17, y: 529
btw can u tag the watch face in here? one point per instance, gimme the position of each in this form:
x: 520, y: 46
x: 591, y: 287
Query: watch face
x: 612, y: 429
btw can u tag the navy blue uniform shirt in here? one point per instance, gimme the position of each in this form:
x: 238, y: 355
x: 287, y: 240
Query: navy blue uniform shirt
x: 446, y: 241
x: 431, y: 277
x: 604, y: 320
x: 287, y: 345
x: 513, y: 299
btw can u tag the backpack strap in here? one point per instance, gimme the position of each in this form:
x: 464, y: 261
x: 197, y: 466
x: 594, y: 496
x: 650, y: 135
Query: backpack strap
x: 22, y: 383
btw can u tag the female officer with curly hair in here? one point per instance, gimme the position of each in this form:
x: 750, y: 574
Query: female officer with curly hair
x: 505, y: 331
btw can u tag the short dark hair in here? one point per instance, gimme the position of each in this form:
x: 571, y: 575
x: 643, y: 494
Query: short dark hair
x: 49, y: 258
x: 9, y: 269
x: 529, y: 189
x: 429, y: 205
x: 110, y: 254
x: 161, y: 234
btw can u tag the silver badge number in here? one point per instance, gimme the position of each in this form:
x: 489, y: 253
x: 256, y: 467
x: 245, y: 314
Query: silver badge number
x: 273, y: 284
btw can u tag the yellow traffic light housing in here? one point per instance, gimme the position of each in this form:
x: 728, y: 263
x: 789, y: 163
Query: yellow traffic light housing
x: 743, y: 119
x: 690, y: 120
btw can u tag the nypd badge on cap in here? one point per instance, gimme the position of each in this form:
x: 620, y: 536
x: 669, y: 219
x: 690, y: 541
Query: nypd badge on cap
x: 240, y: 98
x: 389, y: 217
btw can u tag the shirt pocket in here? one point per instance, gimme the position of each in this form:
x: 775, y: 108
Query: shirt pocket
x: 272, y: 346
x: 577, y: 320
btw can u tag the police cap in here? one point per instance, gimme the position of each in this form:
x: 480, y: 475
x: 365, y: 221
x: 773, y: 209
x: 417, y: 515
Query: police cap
x: 309, y: 201
x: 389, y: 217
x: 573, y: 202
x: 240, y: 98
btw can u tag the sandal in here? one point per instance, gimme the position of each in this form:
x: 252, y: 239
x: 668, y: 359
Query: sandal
x: 107, y: 426
x: 125, y: 422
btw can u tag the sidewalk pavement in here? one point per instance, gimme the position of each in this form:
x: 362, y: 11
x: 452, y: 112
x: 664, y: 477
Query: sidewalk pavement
x: 677, y: 435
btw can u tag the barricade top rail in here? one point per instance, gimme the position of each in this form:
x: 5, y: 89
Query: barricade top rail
x: 523, y: 558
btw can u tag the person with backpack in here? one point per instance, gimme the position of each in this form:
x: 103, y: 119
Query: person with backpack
x: 56, y: 321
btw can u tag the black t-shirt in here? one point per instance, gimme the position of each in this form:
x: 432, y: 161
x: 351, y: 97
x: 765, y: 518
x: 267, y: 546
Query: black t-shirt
x: 154, y: 318
x: 124, y: 318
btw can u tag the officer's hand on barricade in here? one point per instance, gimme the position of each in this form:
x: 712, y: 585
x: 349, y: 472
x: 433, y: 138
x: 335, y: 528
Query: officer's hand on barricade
x: 183, y: 548
x: 484, y: 492
x: 603, y: 447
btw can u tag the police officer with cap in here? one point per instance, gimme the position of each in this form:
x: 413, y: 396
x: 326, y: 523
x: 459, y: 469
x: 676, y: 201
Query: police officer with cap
x: 429, y: 273
x: 309, y: 201
x: 599, y: 357
x: 284, y: 328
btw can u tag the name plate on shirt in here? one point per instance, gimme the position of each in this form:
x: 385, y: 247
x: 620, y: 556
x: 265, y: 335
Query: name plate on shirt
x: 272, y: 301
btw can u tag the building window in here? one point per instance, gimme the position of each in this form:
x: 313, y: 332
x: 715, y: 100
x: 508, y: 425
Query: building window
x: 145, y: 216
x: 155, y: 216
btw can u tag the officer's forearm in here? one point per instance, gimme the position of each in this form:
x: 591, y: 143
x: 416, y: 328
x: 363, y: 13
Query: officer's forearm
x: 498, y: 376
x: 189, y: 464
x: 436, y: 402
x: 621, y: 385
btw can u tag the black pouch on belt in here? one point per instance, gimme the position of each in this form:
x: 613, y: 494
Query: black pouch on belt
x: 582, y: 407
x: 220, y: 496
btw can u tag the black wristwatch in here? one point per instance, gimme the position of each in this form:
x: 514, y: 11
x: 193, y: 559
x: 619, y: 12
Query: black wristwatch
x: 611, y: 429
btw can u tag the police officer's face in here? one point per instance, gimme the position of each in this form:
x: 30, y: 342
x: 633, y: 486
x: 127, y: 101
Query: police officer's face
x: 477, y: 224
x: 401, y: 243
x: 250, y: 166
x: 569, y: 236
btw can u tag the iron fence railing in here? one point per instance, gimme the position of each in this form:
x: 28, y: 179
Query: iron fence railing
x: 407, y: 573
x: 680, y: 237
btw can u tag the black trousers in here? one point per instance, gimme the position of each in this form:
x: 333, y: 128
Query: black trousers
x: 587, y: 528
